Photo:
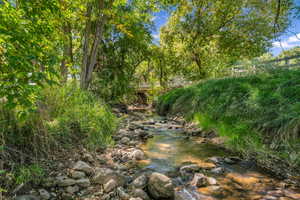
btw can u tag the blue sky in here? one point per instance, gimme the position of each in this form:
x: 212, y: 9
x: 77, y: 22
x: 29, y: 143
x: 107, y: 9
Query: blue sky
x: 288, y: 40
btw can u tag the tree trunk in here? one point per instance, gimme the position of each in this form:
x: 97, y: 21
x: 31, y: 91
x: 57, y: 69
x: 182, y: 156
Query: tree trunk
x: 67, y: 60
x: 90, y: 54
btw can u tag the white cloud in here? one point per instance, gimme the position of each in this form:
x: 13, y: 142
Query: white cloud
x: 156, y: 36
x: 295, y: 38
x: 282, y: 44
x: 288, y: 43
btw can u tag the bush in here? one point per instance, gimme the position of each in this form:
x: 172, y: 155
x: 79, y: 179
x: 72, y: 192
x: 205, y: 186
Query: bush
x: 258, y: 113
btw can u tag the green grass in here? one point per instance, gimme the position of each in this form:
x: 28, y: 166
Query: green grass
x: 65, y: 118
x: 258, y: 114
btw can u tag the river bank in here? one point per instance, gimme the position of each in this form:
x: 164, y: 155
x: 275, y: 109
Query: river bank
x: 159, y: 158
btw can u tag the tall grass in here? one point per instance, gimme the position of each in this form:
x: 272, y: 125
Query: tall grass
x: 65, y: 118
x: 258, y: 113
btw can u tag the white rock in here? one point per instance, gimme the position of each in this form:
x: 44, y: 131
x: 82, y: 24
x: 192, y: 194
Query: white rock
x: 211, y: 181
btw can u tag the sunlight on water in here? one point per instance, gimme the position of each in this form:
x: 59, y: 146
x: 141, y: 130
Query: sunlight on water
x: 169, y: 149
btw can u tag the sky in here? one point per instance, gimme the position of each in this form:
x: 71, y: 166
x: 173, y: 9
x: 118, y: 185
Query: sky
x: 288, y: 40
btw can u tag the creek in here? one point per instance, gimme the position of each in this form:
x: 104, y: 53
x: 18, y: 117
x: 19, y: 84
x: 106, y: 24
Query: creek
x: 236, y: 179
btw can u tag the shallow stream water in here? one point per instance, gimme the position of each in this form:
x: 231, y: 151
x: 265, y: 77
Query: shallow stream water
x: 170, y: 148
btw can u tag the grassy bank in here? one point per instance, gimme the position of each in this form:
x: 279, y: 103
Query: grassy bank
x: 64, y: 119
x: 258, y: 114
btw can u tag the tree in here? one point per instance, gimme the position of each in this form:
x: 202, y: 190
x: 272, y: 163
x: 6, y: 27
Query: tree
x: 27, y: 50
x: 207, y: 36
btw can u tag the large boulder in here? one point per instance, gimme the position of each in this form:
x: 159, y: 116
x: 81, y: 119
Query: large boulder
x: 160, y: 186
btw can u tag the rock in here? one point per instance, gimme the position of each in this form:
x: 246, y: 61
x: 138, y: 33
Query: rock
x: 84, y: 167
x: 88, y: 157
x: 137, y: 155
x: 218, y: 170
x: 141, y: 194
x: 199, y: 180
x: 49, y: 182
x: 122, y: 194
x: 77, y: 174
x: 189, y: 168
x: 232, y: 160
x: 103, y: 175
x: 211, y: 181
x: 44, y: 194
x: 72, y: 189
x: 160, y: 186
x: 215, y: 160
x: 190, y: 193
x: 67, y: 196
x: 65, y: 181
x: 133, y: 143
x: 83, y: 182
x: 110, y: 185
x: 140, y: 182
x: 135, y: 198
x: 125, y: 140
x: 27, y: 197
